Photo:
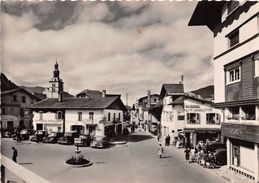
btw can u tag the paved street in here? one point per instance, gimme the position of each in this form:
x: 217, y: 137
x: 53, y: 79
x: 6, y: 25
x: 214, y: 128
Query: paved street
x: 136, y: 161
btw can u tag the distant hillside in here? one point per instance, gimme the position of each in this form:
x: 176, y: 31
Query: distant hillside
x: 7, y: 84
x: 205, y: 92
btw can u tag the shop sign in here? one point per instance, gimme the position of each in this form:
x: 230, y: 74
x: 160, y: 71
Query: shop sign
x: 196, y: 108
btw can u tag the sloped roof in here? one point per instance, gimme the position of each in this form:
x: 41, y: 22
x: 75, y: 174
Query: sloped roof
x: 7, y: 84
x: 75, y: 103
x: 179, y: 100
x: 20, y: 89
x: 90, y: 93
x: 171, y: 89
x: 152, y: 95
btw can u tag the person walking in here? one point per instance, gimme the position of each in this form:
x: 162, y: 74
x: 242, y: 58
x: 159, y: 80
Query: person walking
x: 187, y: 154
x: 160, y: 150
x: 15, y: 154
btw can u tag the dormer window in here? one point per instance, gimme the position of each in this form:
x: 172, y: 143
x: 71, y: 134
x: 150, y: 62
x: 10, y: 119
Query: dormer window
x: 233, y: 38
x: 232, y: 5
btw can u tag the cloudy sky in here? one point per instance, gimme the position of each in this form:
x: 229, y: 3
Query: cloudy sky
x: 123, y: 47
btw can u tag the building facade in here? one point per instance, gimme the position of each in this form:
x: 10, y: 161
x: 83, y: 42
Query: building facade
x: 202, y: 120
x: 95, y: 114
x: 14, y: 109
x: 236, y: 77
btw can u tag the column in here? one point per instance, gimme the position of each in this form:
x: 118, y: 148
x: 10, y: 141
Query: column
x: 194, y: 140
x: 228, y: 152
x: 257, y: 113
x: 256, y: 151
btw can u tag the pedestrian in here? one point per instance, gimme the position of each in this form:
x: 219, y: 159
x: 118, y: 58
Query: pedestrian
x: 167, y: 140
x: 15, y: 154
x: 37, y: 137
x: 160, y: 150
x: 187, y: 154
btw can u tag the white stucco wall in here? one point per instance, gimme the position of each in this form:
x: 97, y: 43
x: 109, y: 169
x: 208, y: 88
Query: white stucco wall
x: 221, y: 44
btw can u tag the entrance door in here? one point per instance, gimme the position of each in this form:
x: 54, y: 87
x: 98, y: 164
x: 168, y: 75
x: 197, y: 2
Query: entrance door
x: 78, y: 128
x: 9, y: 124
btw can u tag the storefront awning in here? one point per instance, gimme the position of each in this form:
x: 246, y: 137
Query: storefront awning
x: 202, y: 130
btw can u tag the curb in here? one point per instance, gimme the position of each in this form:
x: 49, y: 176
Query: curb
x: 118, y: 142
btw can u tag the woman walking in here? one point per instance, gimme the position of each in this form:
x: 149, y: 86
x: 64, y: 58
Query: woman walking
x: 160, y: 151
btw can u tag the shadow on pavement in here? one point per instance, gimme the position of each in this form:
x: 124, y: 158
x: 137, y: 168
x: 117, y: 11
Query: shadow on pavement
x: 26, y: 163
x: 165, y: 157
x: 138, y: 138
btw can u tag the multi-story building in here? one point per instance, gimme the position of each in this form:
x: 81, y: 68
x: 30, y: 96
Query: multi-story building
x: 144, y: 103
x: 236, y: 77
x: 202, y: 120
x: 97, y: 114
x: 14, y: 105
x: 173, y: 111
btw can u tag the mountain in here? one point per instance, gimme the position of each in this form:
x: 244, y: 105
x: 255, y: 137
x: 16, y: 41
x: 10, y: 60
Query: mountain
x: 7, y: 84
x: 205, y: 92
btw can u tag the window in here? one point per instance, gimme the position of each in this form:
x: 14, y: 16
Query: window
x: 235, y: 155
x: 193, y: 118
x: 233, y: 38
x: 79, y: 116
x: 14, y: 98
x: 3, y: 111
x: 248, y: 112
x: 212, y: 118
x: 22, y: 112
x: 114, y: 116
x: 41, y: 115
x: 109, y: 116
x: 58, y: 115
x: 91, y: 115
x: 232, y: 5
x: 234, y: 75
x: 154, y: 100
x: 181, y: 117
x: 119, y: 116
x: 23, y: 99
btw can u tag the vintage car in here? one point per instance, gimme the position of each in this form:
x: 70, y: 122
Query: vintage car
x: 68, y: 138
x: 212, y: 146
x: 100, y: 142
x: 25, y: 134
x: 53, y: 137
x: 39, y: 135
x: 83, y: 140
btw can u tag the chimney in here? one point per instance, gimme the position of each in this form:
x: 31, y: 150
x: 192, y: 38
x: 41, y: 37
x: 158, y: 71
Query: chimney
x: 104, y: 93
x: 149, y: 98
x: 182, y: 78
x: 60, y: 97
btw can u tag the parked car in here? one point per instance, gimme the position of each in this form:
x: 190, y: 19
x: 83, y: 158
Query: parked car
x: 212, y: 146
x: 40, y: 134
x: 53, y: 137
x: 25, y: 134
x: 83, y: 140
x: 100, y: 142
x: 220, y: 156
x: 9, y: 133
x: 68, y: 138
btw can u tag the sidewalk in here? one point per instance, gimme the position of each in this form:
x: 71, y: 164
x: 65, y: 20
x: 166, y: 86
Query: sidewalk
x: 222, y: 171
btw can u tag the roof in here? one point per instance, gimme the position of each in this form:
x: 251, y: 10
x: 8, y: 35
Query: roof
x: 205, y: 92
x: 179, y: 100
x: 75, y: 103
x: 20, y: 89
x: 7, y: 84
x: 90, y: 93
x: 207, y: 13
x: 171, y: 89
x: 152, y: 95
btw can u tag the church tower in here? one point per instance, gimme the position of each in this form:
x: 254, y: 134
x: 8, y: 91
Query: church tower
x: 56, y: 88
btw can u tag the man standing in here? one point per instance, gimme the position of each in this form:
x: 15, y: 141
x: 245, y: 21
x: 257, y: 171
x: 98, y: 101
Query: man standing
x: 160, y: 151
x: 15, y: 154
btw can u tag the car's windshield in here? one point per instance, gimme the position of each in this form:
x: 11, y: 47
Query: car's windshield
x: 24, y: 132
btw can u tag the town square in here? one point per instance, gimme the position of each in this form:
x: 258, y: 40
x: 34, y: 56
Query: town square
x: 130, y: 91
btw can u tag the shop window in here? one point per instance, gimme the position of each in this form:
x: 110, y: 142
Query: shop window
x: 39, y: 126
x: 79, y: 116
x: 233, y: 38
x: 235, y: 155
x: 23, y: 99
x: 9, y: 124
x: 232, y: 5
x: 249, y: 112
x: 234, y: 75
x: 193, y: 118
x: 212, y: 118
x: 91, y: 115
x: 14, y: 98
